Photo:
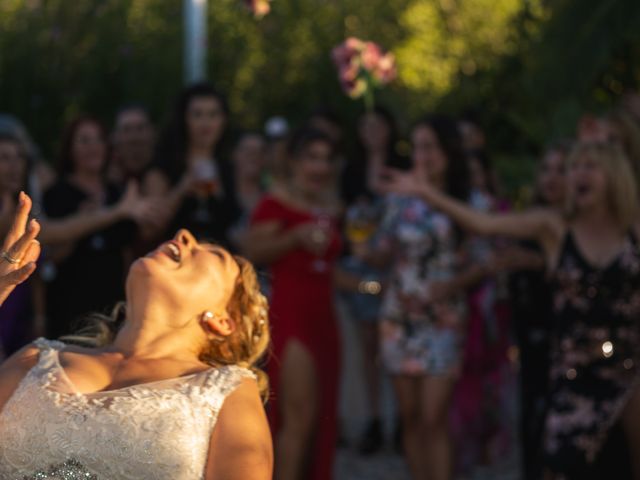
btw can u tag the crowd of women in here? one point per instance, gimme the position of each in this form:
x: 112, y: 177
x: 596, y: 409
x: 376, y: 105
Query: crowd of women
x: 454, y: 294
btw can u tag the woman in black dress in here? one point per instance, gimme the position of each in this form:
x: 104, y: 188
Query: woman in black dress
x: 593, y: 258
x: 530, y: 295
x: 189, y: 176
x: 84, y: 275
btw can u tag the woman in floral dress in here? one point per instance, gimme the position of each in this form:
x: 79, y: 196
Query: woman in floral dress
x: 422, y: 322
x: 594, y: 262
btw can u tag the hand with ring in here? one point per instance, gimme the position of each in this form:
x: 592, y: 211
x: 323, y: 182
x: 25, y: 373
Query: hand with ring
x: 20, y: 249
x: 312, y: 238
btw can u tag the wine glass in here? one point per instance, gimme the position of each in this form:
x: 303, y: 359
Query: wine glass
x: 206, y: 183
x: 321, y: 236
x: 361, y: 222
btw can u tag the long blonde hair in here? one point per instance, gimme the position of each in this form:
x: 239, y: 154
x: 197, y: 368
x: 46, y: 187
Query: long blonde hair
x: 628, y: 133
x: 622, y: 190
x: 246, y: 346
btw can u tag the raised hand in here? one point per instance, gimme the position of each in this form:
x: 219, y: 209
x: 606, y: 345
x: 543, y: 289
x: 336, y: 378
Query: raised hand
x: 402, y: 182
x: 138, y: 208
x: 312, y: 238
x: 20, y: 249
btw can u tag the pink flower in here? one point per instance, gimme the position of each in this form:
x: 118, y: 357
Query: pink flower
x: 371, y: 55
x: 385, y: 70
x: 341, y: 54
x: 353, y: 43
x: 349, y: 71
x: 259, y: 8
x: 362, y: 66
x: 346, y: 51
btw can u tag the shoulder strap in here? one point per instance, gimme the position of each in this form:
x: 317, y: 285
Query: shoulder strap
x: 222, y: 381
x: 44, y: 344
x: 47, y: 357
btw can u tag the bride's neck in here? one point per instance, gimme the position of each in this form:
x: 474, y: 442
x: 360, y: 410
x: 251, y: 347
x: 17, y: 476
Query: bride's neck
x: 150, y: 336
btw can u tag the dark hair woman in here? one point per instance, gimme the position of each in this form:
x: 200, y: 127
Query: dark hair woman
x: 190, y: 177
x: 85, y: 274
x: 294, y: 232
x: 376, y: 148
x: 423, y: 313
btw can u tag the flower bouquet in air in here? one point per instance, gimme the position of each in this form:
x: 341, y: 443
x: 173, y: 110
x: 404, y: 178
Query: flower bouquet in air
x: 259, y: 8
x: 363, y: 67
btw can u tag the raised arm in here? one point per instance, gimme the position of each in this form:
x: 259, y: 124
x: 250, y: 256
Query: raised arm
x: 265, y: 242
x: 132, y: 206
x: 540, y: 225
x: 20, y: 249
x: 156, y: 185
x: 241, y: 447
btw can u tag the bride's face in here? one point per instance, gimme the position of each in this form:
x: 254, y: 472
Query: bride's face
x: 185, y: 275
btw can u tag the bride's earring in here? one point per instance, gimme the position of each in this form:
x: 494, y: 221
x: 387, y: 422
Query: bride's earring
x: 206, y: 316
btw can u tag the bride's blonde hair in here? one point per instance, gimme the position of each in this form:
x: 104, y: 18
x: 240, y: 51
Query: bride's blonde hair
x: 246, y: 346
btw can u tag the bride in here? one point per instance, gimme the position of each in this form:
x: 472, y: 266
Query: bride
x: 172, y: 393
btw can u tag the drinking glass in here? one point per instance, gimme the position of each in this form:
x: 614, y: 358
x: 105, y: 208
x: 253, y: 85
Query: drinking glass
x: 206, y: 184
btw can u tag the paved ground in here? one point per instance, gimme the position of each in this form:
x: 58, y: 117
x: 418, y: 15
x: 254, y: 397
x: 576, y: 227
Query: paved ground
x: 387, y: 466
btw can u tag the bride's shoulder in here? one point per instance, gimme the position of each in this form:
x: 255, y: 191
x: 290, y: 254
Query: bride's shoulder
x: 241, y: 436
x: 26, y: 357
x: 15, y: 368
x: 225, y: 379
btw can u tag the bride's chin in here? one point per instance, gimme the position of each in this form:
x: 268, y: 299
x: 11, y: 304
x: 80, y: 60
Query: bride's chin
x: 143, y: 266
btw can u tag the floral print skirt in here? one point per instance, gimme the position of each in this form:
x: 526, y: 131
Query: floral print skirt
x: 585, y: 403
x: 419, y: 348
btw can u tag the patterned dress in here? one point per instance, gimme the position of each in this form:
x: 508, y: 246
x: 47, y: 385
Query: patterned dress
x: 594, y: 363
x: 419, y: 337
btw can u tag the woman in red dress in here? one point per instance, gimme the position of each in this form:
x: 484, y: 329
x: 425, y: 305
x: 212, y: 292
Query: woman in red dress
x: 294, y: 231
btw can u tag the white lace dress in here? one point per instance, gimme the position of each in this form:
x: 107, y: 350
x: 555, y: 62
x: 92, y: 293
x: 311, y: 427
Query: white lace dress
x: 158, y: 430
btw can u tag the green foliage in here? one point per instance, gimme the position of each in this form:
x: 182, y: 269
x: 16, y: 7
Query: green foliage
x: 529, y: 67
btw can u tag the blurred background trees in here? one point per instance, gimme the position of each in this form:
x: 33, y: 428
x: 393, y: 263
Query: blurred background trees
x: 525, y: 68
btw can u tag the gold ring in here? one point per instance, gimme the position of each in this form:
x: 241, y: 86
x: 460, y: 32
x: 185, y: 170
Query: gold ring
x: 5, y: 255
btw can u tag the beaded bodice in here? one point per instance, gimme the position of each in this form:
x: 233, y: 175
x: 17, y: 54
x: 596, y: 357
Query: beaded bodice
x: 158, y: 430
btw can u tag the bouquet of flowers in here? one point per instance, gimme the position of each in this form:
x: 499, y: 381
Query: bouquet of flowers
x: 259, y: 8
x: 362, y: 67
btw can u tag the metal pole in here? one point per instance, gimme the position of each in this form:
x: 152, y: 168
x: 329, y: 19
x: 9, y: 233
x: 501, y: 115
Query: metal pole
x: 195, y: 40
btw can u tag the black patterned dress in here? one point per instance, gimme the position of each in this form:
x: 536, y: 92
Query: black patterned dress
x: 594, y: 364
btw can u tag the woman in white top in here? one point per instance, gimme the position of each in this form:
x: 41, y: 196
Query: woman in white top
x: 172, y: 393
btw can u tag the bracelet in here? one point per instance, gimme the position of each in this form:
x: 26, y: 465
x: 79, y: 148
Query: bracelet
x: 369, y: 287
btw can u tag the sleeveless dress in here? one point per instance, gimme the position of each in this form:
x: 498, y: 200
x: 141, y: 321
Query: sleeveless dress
x: 158, y: 430
x: 594, y: 356
x: 302, y: 309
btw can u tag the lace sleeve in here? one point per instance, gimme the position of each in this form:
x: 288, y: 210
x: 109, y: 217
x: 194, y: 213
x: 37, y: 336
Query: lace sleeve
x: 43, y: 344
x: 222, y: 381
x: 47, y: 356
